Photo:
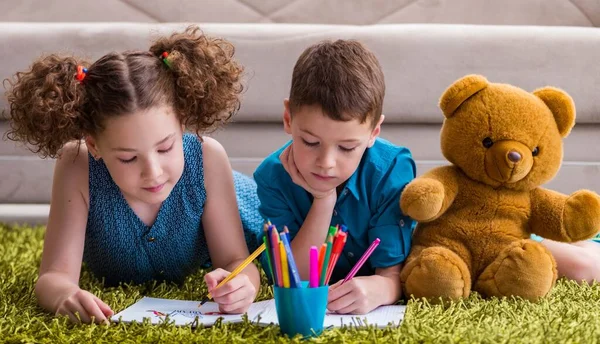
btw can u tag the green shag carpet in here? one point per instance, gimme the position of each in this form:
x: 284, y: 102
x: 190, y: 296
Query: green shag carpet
x: 571, y: 314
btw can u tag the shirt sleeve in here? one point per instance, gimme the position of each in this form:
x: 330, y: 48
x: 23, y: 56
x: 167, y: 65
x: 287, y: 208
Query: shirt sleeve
x: 393, y: 228
x: 273, y: 207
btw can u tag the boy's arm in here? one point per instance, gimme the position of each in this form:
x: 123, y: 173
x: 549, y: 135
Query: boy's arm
x: 275, y: 207
x: 313, y: 232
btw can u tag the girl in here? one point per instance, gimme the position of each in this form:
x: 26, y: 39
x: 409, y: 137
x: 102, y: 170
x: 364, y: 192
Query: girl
x: 134, y: 196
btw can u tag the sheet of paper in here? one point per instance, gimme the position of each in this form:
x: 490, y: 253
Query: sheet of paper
x: 182, y: 312
x: 261, y: 313
x: 380, y: 317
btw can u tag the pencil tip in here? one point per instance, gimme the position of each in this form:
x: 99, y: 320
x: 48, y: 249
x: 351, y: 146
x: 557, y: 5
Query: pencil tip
x: 203, y: 302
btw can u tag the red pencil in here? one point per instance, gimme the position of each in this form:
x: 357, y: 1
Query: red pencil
x: 338, y: 247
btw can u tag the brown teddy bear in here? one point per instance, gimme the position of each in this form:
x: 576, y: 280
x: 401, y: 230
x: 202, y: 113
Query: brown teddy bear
x: 475, y: 216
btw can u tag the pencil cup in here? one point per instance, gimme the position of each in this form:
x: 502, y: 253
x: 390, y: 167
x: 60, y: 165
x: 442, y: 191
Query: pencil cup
x: 301, y: 310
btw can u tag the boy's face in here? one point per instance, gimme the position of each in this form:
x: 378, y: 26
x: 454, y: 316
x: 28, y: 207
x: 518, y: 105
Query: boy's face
x: 143, y: 152
x: 325, y: 151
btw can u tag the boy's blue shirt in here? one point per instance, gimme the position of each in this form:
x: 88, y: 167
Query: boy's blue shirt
x: 368, y: 205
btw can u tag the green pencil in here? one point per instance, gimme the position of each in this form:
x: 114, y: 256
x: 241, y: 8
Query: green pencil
x: 326, y: 260
x: 268, y: 254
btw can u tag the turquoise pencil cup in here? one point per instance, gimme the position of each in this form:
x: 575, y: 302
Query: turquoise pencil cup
x: 301, y: 310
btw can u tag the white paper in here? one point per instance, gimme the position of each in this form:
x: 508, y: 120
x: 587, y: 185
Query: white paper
x: 182, y: 312
x: 261, y: 313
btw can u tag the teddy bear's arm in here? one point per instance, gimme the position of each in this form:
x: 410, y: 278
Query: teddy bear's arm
x: 427, y: 197
x: 559, y: 217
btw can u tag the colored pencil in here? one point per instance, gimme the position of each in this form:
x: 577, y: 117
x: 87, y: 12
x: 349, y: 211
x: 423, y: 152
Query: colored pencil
x: 362, y: 260
x: 237, y: 270
x: 314, y: 267
x: 284, y: 266
x: 295, y: 280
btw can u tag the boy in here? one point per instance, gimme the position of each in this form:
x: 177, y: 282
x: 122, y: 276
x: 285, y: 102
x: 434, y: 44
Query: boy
x: 337, y: 171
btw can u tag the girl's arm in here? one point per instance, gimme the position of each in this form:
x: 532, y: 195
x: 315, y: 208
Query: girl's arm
x: 223, y: 229
x: 57, y: 288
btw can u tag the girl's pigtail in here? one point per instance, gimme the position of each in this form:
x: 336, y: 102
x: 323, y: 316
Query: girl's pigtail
x: 46, y: 104
x: 207, y: 78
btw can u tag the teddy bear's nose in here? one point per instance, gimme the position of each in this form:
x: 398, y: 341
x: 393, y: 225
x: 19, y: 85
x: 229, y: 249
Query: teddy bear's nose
x: 514, y: 156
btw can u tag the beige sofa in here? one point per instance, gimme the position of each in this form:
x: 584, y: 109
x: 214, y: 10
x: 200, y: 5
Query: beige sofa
x: 423, y: 46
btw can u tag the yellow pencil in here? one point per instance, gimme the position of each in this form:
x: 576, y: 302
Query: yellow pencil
x: 236, y: 271
x: 284, y: 266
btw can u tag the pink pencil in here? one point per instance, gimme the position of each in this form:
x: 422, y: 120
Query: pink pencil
x: 362, y: 260
x: 314, y: 267
x: 277, y: 257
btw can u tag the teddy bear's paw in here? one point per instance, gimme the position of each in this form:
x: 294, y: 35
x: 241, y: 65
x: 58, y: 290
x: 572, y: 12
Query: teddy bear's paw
x: 525, y: 268
x: 436, y: 273
x: 581, y: 215
x: 422, y: 199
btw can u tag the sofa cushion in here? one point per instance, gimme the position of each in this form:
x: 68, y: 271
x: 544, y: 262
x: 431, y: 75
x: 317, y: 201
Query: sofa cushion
x: 419, y: 61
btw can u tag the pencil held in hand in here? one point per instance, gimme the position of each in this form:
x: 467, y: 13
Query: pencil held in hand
x: 362, y: 260
x: 236, y: 272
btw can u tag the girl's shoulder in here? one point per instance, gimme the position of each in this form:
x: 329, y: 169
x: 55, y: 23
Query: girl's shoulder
x: 72, y: 168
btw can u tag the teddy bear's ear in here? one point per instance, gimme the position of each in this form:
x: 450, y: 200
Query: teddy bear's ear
x: 460, y: 91
x: 561, y: 105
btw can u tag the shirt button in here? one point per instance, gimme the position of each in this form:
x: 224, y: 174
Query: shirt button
x: 151, y: 239
x: 350, y: 254
x: 345, y: 192
x: 334, y: 212
x: 401, y: 223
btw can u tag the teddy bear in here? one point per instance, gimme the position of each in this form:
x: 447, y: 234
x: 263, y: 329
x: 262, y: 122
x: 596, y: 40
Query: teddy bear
x: 475, y: 216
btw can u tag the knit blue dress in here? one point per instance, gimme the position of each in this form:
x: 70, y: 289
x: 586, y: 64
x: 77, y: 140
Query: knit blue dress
x: 119, y: 247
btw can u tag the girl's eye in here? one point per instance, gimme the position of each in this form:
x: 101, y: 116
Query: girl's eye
x: 166, y: 150
x: 128, y: 160
x: 310, y: 144
x: 345, y: 149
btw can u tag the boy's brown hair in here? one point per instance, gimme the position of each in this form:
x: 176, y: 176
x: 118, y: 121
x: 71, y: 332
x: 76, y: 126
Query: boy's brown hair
x: 343, y: 77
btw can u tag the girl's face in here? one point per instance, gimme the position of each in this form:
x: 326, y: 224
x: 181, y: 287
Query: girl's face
x: 143, y: 152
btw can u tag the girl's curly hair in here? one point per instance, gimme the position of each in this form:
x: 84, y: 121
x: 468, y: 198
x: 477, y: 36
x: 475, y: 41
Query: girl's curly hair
x: 50, y: 107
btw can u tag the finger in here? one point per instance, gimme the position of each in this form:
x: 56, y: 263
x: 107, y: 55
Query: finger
x: 92, y: 309
x: 106, y: 310
x: 214, y: 277
x: 341, y: 303
x: 65, y: 313
x: 230, y: 287
x: 335, y: 285
x: 237, y: 307
x: 339, y: 291
x: 73, y: 306
x: 350, y: 309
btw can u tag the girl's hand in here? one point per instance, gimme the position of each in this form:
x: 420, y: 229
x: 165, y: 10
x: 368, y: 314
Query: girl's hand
x: 235, y: 296
x: 87, y: 306
x: 287, y: 160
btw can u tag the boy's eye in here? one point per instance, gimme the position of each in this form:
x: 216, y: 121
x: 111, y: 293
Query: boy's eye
x: 166, y: 150
x: 127, y: 161
x: 346, y: 149
x: 310, y: 144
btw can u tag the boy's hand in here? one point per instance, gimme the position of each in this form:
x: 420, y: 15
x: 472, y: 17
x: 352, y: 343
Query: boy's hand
x: 359, y: 295
x: 235, y: 296
x: 287, y: 160
x: 83, y: 306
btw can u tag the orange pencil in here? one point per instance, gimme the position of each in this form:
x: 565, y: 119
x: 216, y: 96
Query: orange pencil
x: 321, y: 257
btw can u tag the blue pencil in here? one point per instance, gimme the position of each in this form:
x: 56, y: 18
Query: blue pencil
x: 295, y: 281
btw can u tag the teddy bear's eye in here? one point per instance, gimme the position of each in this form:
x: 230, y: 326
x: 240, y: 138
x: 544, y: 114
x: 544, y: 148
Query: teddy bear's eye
x: 535, y: 151
x: 487, y: 142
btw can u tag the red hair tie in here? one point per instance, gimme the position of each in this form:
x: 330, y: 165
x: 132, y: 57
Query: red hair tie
x: 81, y: 73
